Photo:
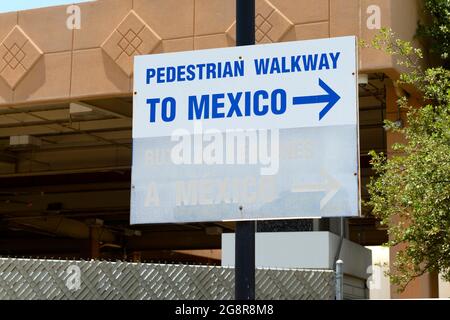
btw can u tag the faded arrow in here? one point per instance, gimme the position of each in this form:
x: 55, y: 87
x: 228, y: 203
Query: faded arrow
x: 331, y: 186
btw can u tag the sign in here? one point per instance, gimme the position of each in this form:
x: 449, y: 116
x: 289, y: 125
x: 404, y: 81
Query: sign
x: 257, y: 132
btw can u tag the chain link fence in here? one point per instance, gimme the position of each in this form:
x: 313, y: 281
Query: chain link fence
x: 35, y: 279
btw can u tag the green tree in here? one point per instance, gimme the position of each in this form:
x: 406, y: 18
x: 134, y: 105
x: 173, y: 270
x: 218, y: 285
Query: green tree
x: 436, y: 32
x: 410, y: 192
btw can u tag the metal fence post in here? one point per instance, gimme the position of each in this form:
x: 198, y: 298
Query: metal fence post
x: 339, y: 280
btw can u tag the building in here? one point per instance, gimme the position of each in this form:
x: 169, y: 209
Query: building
x: 66, y: 106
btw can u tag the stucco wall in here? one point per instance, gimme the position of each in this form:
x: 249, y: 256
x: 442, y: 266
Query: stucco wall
x: 42, y: 60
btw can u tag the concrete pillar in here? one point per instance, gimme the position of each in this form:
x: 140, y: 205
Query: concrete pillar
x: 427, y: 285
x: 94, y: 245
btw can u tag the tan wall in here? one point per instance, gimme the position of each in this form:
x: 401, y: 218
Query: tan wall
x: 58, y: 64
x: 425, y: 286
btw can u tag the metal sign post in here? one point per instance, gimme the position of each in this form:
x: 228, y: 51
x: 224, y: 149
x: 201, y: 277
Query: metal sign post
x: 244, y: 277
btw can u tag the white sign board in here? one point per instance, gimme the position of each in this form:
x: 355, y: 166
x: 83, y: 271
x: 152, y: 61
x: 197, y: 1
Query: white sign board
x: 257, y: 132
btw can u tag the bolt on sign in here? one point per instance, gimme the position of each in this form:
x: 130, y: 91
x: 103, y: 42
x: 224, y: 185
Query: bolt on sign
x: 257, y: 132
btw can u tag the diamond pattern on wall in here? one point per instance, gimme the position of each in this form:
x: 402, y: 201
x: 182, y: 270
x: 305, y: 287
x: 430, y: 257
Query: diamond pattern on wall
x: 132, y: 37
x: 18, y: 54
x: 270, y: 24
